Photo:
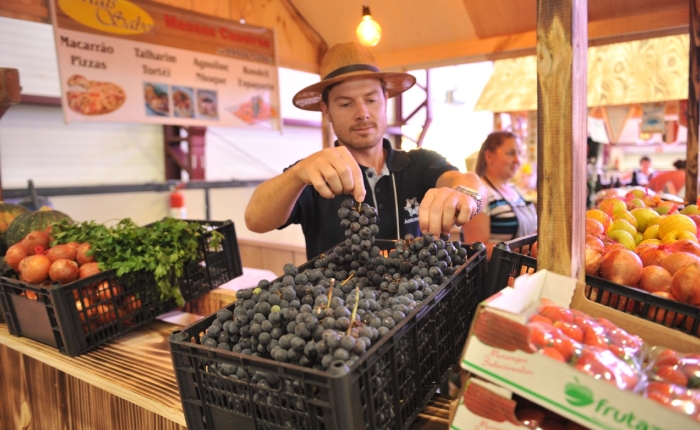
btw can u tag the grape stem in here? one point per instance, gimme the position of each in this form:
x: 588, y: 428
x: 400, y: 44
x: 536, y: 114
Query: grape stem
x: 354, y: 309
x: 330, y: 293
x: 349, y: 278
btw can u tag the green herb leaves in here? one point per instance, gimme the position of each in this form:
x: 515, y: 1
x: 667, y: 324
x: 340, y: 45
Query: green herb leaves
x: 162, y: 248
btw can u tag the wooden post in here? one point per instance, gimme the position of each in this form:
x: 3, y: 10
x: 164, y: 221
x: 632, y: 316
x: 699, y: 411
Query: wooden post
x: 9, y: 94
x: 691, y: 159
x: 562, y: 44
x: 196, y: 143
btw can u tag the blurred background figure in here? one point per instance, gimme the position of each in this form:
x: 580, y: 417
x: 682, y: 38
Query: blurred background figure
x: 643, y: 174
x: 506, y: 215
x: 672, y: 182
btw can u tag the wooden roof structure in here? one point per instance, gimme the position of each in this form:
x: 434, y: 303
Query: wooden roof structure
x: 417, y: 34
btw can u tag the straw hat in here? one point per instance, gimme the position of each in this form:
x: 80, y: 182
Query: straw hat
x: 346, y: 60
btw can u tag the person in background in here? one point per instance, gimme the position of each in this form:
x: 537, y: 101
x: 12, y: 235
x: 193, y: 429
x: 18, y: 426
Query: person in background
x: 672, y: 182
x: 413, y: 192
x: 507, y: 214
x: 643, y: 174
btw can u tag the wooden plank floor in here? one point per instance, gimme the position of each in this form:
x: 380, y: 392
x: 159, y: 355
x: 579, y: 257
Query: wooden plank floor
x: 125, y: 384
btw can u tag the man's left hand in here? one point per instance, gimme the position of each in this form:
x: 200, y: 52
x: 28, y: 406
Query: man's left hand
x: 442, y: 208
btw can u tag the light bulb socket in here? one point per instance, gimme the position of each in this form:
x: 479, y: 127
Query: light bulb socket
x: 365, y: 11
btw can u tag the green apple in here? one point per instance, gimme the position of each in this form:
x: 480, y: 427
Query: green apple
x: 649, y: 242
x: 651, y: 232
x: 676, y: 235
x: 662, y: 210
x: 656, y: 221
x: 639, y: 193
x: 621, y: 224
x: 611, y: 205
x: 690, y: 210
x: 677, y: 222
x: 638, y: 237
x: 643, y: 216
x: 624, y: 238
x: 635, y: 203
x: 627, y: 216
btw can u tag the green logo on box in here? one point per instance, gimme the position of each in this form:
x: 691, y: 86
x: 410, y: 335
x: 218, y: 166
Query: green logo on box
x: 581, y: 396
x: 578, y: 395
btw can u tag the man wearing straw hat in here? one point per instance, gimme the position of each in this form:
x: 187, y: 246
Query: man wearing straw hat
x: 414, y: 192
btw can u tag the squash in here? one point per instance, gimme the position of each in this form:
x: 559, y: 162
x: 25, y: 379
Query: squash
x: 31, y: 221
x: 8, y: 213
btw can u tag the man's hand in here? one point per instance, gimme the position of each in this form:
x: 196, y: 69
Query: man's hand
x: 332, y: 171
x: 441, y: 208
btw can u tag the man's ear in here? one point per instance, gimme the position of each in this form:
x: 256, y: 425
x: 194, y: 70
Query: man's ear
x: 325, y: 112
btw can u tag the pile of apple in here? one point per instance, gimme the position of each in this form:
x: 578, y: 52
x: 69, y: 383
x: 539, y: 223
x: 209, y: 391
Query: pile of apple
x: 639, y: 196
x: 36, y: 262
x: 653, y: 249
x: 98, y: 304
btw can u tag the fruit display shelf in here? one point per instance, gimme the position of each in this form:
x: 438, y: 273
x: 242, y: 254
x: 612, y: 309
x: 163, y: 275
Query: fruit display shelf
x: 512, y: 258
x: 386, y: 387
x: 83, y: 314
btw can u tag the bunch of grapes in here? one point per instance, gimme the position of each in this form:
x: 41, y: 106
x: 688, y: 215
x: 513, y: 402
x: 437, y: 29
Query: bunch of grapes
x: 328, y: 316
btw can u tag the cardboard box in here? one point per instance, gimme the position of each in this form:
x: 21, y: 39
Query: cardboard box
x: 483, y: 405
x: 555, y: 385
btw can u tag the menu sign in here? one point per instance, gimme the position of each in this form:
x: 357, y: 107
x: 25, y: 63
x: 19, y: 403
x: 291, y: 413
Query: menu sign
x: 139, y: 61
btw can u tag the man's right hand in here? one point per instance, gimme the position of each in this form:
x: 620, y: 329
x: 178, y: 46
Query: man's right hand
x: 332, y: 171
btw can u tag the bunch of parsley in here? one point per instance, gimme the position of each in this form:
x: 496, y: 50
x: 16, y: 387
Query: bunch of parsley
x: 162, y: 248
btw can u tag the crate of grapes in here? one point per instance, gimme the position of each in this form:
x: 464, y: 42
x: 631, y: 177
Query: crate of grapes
x: 78, y: 316
x: 514, y: 258
x: 360, y: 337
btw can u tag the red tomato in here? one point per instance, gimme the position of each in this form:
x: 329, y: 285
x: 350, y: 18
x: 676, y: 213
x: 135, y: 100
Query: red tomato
x: 667, y: 357
x: 540, y: 318
x: 672, y: 374
x: 592, y: 337
x: 573, y: 331
x: 552, y: 353
x: 556, y: 313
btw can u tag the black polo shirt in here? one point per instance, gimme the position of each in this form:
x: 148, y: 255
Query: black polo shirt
x: 415, y: 172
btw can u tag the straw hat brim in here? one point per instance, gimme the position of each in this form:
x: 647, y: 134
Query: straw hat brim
x: 310, y: 97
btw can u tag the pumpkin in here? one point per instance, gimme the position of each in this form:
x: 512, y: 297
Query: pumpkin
x: 31, y: 221
x: 8, y: 213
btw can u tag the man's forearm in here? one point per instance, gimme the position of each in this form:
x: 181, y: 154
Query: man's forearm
x: 454, y: 178
x: 273, y: 201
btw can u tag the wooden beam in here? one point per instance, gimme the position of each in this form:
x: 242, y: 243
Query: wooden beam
x: 636, y: 27
x: 34, y: 9
x: 691, y: 159
x: 561, y: 139
x: 9, y: 95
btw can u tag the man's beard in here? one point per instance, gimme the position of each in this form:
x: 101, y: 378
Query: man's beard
x: 357, y: 142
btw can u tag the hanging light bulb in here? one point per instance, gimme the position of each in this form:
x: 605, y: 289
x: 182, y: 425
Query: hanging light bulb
x: 368, y: 32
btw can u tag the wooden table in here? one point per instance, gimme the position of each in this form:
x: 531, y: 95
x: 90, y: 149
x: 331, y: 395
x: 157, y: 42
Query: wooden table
x: 124, y: 384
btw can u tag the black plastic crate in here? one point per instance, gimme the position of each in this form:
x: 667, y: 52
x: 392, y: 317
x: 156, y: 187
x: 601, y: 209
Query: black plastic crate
x: 214, y: 266
x: 83, y: 314
x: 386, y: 389
x: 509, y: 260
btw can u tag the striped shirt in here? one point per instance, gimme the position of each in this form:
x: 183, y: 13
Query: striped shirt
x: 509, y: 218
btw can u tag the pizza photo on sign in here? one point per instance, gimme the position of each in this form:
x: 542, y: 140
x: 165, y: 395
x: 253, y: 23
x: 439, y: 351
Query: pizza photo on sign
x: 88, y: 97
x: 156, y: 98
x: 183, y: 107
x: 207, y: 104
x: 254, y: 110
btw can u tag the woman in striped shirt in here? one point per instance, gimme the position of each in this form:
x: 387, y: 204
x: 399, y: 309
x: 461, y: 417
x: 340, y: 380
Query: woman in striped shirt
x: 507, y: 215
